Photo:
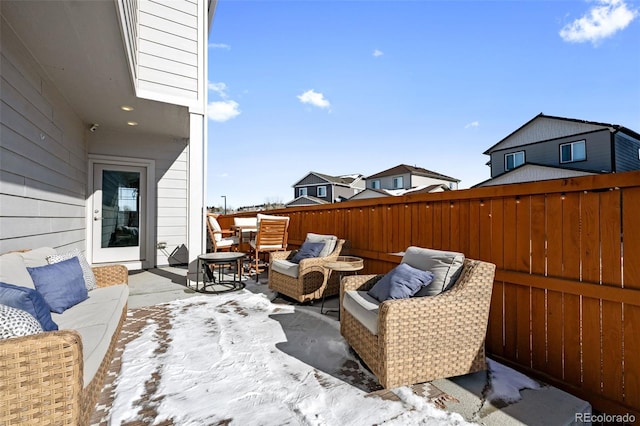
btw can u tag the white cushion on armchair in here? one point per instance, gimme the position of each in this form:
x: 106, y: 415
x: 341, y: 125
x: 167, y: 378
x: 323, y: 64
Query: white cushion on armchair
x: 285, y: 267
x: 363, y: 307
x: 329, y: 240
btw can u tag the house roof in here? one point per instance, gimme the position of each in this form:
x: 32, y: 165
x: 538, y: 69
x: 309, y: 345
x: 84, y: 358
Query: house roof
x: 532, y: 172
x: 344, y: 180
x: 305, y: 200
x: 370, y: 193
x: 611, y: 127
x: 422, y: 189
x: 414, y: 170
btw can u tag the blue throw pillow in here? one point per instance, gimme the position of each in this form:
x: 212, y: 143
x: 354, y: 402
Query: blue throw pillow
x: 308, y: 250
x: 61, y: 284
x: 401, y: 282
x: 27, y: 299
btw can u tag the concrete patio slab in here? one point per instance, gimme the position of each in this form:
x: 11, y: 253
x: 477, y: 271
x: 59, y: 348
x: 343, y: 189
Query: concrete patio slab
x: 546, y: 406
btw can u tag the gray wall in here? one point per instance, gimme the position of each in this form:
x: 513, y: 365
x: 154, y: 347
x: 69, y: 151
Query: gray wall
x: 43, y: 157
x: 626, y: 153
x: 598, y: 146
x: 312, y: 191
x: 386, y: 182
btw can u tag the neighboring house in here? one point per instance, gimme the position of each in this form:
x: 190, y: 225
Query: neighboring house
x: 317, y: 188
x: 306, y: 200
x: 102, y: 144
x: 423, y: 189
x: 550, y: 147
x: 404, y: 177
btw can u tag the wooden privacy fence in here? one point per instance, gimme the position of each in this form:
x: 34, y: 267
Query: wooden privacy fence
x: 566, y: 299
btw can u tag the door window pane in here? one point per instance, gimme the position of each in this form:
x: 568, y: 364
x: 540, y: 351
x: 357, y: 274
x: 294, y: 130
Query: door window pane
x: 120, y: 208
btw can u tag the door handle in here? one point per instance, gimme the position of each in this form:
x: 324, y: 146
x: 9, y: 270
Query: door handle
x: 97, y: 218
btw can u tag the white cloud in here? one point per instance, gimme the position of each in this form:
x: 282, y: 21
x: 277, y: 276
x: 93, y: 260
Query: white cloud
x: 472, y: 124
x: 314, y: 98
x: 603, y: 20
x: 222, y: 111
x: 219, y: 46
x: 219, y: 88
x: 377, y: 53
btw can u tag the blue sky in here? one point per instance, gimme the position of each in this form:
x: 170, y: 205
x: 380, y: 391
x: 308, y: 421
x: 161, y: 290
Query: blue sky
x: 343, y: 87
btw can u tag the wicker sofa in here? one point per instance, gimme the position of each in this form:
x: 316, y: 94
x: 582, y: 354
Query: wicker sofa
x: 307, y: 281
x: 55, y: 377
x: 419, y: 339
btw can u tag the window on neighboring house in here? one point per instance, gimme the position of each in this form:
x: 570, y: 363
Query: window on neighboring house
x: 302, y: 192
x: 513, y: 160
x: 574, y: 151
x: 397, y: 182
x: 322, y: 191
x: 375, y: 184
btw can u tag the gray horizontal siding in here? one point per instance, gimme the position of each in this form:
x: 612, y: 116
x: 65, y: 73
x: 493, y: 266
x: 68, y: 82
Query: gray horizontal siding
x: 598, y: 146
x: 311, y: 180
x: 168, y: 49
x: 544, y: 128
x: 42, y: 157
x: 627, y: 153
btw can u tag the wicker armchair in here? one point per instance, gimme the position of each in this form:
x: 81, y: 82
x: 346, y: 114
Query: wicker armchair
x: 41, y: 376
x: 424, y: 338
x: 312, y: 281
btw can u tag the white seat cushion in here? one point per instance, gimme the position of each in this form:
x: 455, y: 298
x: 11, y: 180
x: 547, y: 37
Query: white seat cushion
x: 96, y: 319
x: 246, y: 222
x: 363, y: 307
x: 226, y: 242
x: 285, y: 267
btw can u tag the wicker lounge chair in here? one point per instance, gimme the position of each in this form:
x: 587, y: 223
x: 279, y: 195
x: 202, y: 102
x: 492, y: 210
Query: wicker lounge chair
x: 311, y: 280
x: 420, y: 339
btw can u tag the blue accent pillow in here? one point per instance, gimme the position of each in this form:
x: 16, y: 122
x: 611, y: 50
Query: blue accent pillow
x: 307, y: 250
x: 61, y: 284
x: 27, y: 299
x: 401, y: 282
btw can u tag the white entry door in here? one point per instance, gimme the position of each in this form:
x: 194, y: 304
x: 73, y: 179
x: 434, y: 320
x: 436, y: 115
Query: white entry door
x: 119, y: 213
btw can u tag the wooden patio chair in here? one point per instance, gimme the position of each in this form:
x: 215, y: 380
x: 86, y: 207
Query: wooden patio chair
x: 271, y: 236
x: 221, y: 239
x: 420, y: 339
